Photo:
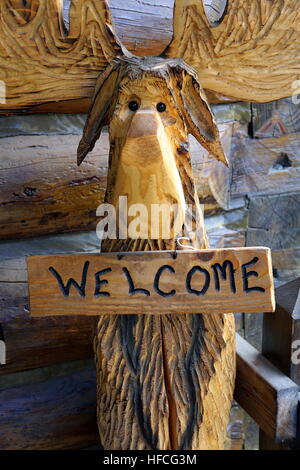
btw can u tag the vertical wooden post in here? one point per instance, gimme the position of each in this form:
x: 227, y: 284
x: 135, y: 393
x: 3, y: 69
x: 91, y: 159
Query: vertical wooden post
x: 281, y: 340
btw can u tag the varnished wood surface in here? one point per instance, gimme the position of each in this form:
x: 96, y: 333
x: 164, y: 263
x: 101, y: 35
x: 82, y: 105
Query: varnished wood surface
x: 38, y: 53
x: 164, y: 381
x: 252, y: 55
x: 206, y: 281
x: 63, y: 66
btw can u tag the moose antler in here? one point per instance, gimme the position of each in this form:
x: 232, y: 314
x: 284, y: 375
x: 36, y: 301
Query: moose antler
x: 40, y: 61
x: 253, y: 55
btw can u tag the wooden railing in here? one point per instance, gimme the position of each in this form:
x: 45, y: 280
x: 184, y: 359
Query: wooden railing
x: 267, y: 384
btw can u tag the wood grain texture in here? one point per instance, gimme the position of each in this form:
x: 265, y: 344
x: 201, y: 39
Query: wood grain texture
x: 237, y: 279
x: 57, y: 413
x: 40, y: 181
x: 280, y: 345
x: 252, y: 55
x: 37, y: 342
x: 42, y: 191
x: 269, y: 217
x: 38, y: 52
x: 265, y: 166
x: 169, y: 377
x: 164, y: 382
x: 41, y: 61
x: 265, y: 393
x: 281, y: 331
x: 286, y: 263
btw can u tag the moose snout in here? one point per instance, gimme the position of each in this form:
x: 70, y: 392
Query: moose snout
x: 144, y: 123
x: 147, y: 142
x: 147, y: 171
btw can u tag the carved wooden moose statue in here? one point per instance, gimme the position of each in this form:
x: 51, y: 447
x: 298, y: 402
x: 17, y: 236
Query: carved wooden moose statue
x: 163, y: 381
x: 166, y: 382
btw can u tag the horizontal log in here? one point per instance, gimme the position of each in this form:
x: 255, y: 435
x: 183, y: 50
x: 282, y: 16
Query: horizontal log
x: 265, y: 393
x: 37, y: 342
x: 145, y: 28
x: 56, y: 413
x: 47, y: 191
x: 42, y: 191
x: 200, y: 281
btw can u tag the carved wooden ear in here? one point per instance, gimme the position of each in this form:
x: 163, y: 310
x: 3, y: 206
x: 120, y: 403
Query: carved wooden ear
x: 102, y: 103
x: 199, y: 118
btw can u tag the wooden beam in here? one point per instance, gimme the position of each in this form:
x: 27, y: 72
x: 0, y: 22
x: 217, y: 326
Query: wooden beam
x: 265, y: 393
x: 200, y: 281
x: 37, y: 342
x: 281, y: 345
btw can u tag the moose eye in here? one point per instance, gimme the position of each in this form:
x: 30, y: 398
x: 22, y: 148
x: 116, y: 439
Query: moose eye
x: 133, y: 105
x: 161, y: 107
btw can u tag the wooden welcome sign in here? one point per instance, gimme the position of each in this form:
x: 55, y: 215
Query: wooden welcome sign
x: 198, y: 281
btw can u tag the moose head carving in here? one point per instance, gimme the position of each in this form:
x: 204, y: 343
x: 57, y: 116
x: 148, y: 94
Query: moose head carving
x: 151, y: 105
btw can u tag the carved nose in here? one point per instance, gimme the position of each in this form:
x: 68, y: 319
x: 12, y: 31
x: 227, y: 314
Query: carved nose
x: 144, y: 123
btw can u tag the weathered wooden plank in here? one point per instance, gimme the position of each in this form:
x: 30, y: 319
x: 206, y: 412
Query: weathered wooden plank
x: 286, y: 263
x: 265, y: 393
x: 58, y: 413
x: 200, y: 281
x: 49, y: 193
x: 265, y: 166
x: 13, y: 270
x: 37, y: 342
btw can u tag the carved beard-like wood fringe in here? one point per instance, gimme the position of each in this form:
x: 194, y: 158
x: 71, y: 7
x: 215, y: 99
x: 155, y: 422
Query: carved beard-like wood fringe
x: 164, y: 382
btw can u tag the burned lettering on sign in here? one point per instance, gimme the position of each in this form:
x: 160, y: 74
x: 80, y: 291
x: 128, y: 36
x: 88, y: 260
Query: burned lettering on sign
x: 198, y: 281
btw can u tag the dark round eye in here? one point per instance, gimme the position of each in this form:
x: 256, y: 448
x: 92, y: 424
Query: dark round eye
x: 161, y: 107
x: 133, y: 105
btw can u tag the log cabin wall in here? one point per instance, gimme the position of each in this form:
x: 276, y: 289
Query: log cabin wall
x: 48, y: 204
